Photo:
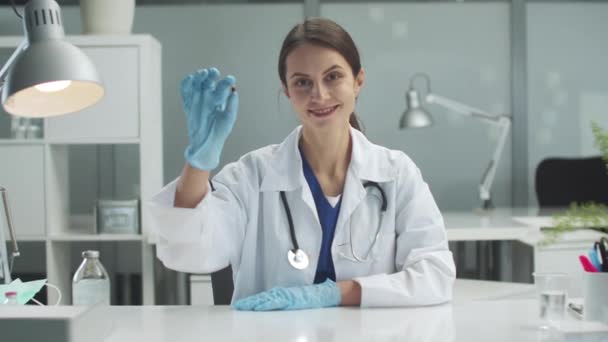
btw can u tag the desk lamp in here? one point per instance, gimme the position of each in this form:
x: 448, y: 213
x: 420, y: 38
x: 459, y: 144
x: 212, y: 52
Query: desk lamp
x: 416, y: 116
x: 45, y: 76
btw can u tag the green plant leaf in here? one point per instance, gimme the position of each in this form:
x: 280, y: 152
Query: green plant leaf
x: 588, y: 215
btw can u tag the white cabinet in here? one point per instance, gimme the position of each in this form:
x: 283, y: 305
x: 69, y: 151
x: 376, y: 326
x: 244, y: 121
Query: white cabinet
x: 201, y: 291
x: 36, y: 172
x: 21, y: 174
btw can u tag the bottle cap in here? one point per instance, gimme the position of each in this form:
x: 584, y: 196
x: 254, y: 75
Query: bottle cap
x: 90, y: 254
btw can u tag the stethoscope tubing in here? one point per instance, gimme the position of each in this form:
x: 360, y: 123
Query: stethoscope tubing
x: 292, y: 231
x: 294, y: 240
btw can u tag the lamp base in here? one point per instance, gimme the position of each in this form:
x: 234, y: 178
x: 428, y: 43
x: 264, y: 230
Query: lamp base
x: 486, y: 208
x: 487, y: 204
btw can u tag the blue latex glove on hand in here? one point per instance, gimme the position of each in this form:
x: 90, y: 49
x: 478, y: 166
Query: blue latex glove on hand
x: 211, y: 108
x: 293, y: 298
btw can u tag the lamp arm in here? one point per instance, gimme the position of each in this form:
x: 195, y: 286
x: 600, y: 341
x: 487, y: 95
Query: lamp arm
x: 6, y: 67
x: 502, y: 121
x: 9, y: 223
x: 488, y: 177
x: 461, y: 108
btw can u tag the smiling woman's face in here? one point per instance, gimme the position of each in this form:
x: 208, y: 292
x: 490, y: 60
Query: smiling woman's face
x: 321, y: 86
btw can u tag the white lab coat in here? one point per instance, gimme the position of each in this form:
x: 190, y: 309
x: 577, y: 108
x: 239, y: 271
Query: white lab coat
x: 243, y: 223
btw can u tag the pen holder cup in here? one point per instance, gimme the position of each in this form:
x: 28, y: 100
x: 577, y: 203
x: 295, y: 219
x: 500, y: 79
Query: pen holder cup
x: 596, y: 297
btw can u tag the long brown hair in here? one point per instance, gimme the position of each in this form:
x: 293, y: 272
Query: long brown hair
x: 326, y: 33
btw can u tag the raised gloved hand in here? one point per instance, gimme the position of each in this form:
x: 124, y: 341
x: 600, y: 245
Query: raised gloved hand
x: 293, y: 298
x: 211, y: 108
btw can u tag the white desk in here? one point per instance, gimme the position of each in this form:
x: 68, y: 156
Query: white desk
x: 481, y: 311
x: 523, y: 225
x: 497, y: 224
x: 463, y: 320
x: 520, y: 224
x: 495, y: 321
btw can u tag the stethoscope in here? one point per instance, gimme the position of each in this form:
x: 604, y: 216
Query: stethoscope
x: 298, y: 259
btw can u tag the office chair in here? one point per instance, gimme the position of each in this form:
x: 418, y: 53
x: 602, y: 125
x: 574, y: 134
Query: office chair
x: 561, y: 181
x: 222, y: 285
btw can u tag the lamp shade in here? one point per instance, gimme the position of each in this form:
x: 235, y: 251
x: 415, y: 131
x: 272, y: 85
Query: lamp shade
x: 414, y: 115
x: 51, y: 76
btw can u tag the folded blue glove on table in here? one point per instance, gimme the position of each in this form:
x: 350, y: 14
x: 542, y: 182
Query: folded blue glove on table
x: 211, y: 108
x: 322, y: 295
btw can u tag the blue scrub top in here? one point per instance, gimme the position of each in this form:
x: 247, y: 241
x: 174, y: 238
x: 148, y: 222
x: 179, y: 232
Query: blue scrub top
x: 328, y: 216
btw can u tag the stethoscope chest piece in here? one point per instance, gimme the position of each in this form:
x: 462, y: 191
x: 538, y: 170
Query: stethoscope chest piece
x: 299, y: 259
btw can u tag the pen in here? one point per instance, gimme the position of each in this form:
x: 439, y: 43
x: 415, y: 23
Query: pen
x: 576, y: 310
x: 594, y: 258
x: 600, y: 249
x: 587, y: 265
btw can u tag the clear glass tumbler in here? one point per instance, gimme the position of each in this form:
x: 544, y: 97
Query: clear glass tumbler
x: 552, y: 289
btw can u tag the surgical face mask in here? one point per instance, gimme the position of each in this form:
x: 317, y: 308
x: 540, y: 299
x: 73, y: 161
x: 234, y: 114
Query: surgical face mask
x: 25, y: 291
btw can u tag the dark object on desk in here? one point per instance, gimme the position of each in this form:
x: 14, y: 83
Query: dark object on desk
x: 576, y: 310
x: 561, y: 181
x: 222, y: 285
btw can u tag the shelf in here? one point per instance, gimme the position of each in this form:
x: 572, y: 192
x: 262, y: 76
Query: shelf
x: 9, y: 141
x: 97, y: 141
x: 28, y: 238
x: 82, y: 229
x: 110, y: 40
x: 96, y: 237
x: 112, y: 141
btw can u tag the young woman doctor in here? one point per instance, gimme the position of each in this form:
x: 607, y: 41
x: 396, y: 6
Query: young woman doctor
x: 325, y: 218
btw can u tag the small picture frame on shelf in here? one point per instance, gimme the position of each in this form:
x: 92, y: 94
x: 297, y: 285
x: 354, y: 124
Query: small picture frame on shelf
x: 117, y: 216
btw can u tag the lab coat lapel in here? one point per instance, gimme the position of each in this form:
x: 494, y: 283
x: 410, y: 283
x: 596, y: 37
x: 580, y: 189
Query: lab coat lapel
x: 352, y: 194
x: 284, y: 171
x: 367, y: 163
x: 306, y: 195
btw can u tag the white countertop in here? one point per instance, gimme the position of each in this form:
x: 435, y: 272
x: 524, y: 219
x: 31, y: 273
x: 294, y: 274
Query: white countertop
x: 521, y: 224
x: 496, y: 321
x: 481, y: 311
x: 496, y: 224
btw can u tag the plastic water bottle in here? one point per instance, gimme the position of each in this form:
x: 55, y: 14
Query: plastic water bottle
x: 91, y: 283
x: 11, y: 298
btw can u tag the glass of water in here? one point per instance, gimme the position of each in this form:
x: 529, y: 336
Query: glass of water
x: 552, y: 294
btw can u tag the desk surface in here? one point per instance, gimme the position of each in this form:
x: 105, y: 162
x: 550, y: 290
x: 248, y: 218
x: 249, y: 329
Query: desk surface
x: 521, y: 224
x: 496, y: 224
x: 480, y: 312
x: 496, y: 321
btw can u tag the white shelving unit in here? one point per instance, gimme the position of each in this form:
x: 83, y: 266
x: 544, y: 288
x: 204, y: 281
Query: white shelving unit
x: 35, y: 171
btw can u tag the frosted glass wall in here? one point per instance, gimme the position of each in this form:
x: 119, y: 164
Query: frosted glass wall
x: 567, y: 80
x: 243, y: 40
x: 465, y: 49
